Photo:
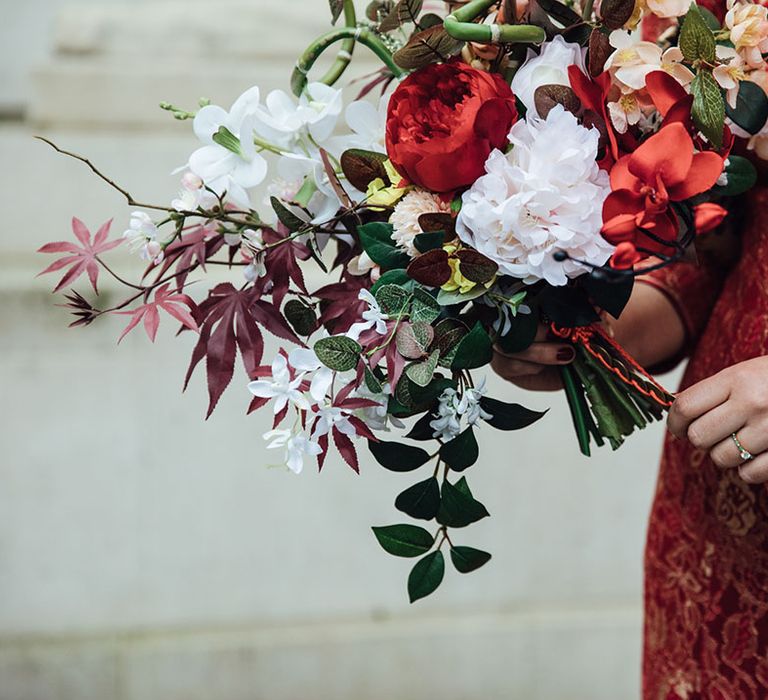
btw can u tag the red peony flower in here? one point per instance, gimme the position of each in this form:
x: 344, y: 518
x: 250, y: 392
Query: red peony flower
x: 443, y: 122
x: 663, y: 169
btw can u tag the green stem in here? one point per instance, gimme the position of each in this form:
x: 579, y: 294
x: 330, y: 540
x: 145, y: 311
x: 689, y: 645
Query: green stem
x: 315, y: 50
x: 576, y: 406
x: 586, y: 12
x: 460, y: 25
x: 344, y: 57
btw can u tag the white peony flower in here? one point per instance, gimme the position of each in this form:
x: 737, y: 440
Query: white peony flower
x: 550, y: 67
x: 545, y: 195
x: 405, y: 217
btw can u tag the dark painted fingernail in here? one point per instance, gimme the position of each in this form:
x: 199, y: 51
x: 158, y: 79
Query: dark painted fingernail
x: 566, y: 354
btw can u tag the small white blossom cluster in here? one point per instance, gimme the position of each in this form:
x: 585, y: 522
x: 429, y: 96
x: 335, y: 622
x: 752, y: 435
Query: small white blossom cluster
x: 456, y: 408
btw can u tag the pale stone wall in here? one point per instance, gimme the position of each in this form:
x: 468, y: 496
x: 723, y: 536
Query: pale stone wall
x: 148, y: 555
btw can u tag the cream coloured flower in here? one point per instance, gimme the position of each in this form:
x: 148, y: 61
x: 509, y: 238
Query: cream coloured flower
x: 549, y: 67
x: 625, y: 112
x: 668, y: 8
x: 405, y: 217
x: 730, y: 72
x: 749, y: 30
x: 545, y: 195
x: 634, y: 60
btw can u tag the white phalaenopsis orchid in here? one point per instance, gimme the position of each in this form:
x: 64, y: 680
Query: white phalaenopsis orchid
x: 142, y: 234
x: 296, y: 446
x: 229, y: 161
x: 287, y: 123
x: 374, y: 317
x: 282, y: 388
x: 305, y: 360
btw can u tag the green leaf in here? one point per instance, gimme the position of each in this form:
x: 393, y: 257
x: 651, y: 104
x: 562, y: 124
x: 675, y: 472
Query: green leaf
x: 424, y: 242
x: 509, y: 416
x: 521, y: 334
x: 450, y: 298
x: 301, y: 317
x: 457, y: 509
x: 422, y: 430
x: 392, y: 299
x: 567, y: 306
x: 711, y: 21
x: 421, y: 374
x: 398, y: 457
x: 751, y: 110
x: 426, y: 576
x: 425, y: 307
x: 468, y: 559
x: 461, y: 452
x: 376, y: 239
x: 608, y: 293
x: 396, y: 277
x: 292, y: 222
x: 420, y: 501
x: 404, y: 540
x: 697, y: 41
x: 708, y: 109
x: 361, y: 167
x: 338, y: 352
x: 740, y: 175
x: 463, y: 487
x: 475, y: 350
x: 372, y: 381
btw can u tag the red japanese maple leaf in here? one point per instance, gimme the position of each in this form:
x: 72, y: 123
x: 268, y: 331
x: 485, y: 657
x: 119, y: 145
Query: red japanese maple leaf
x: 177, y: 305
x: 231, y: 320
x: 80, y: 258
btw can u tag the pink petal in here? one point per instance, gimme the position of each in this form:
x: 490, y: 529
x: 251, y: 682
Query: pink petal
x: 80, y: 230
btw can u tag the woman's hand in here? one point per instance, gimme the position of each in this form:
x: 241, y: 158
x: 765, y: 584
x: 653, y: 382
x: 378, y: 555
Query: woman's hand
x: 535, y: 368
x: 732, y: 401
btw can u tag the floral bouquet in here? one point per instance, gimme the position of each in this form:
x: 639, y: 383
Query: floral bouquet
x: 520, y: 161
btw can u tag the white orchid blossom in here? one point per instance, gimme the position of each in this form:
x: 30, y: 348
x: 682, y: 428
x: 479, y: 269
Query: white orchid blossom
x: 282, y: 388
x: 456, y: 408
x: 296, y: 446
x: 305, y: 360
x: 228, y: 161
x: 374, y: 317
x: 142, y: 234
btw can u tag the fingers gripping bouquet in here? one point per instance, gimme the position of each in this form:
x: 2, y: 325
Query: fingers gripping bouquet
x: 521, y: 161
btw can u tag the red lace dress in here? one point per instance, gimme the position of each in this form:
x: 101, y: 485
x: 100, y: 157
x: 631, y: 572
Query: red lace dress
x: 706, y: 563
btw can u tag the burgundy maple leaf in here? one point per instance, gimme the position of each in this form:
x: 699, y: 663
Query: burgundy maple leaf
x: 176, y: 305
x: 80, y: 258
x: 231, y: 320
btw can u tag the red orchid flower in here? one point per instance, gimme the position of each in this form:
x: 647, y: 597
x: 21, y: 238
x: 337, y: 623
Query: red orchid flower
x: 663, y: 169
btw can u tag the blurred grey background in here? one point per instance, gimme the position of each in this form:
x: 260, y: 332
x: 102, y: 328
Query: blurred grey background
x: 146, y: 554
